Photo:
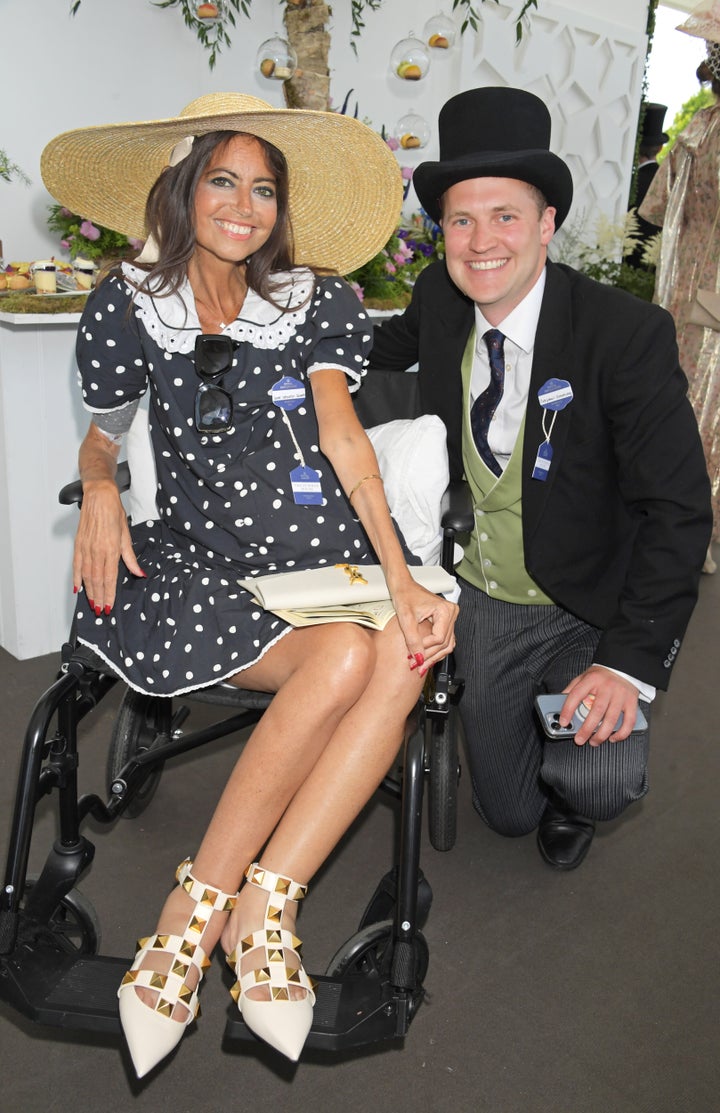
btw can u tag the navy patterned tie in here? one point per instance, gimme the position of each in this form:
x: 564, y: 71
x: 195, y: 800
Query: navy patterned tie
x: 485, y: 404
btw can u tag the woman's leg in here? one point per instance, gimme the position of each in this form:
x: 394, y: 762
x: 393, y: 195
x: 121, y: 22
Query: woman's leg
x: 343, y: 694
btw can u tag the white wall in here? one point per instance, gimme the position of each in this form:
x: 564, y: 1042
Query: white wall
x: 129, y: 61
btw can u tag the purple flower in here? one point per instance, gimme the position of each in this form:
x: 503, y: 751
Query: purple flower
x: 392, y: 142
x: 390, y: 267
x: 358, y: 290
x: 66, y: 243
x: 136, y: 244
x: 407, y: 173
x: 65, y: 212
x: 89, y: 231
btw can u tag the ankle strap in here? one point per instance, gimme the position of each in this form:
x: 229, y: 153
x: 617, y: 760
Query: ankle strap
x: 205, y: 895
x: 271, y: 882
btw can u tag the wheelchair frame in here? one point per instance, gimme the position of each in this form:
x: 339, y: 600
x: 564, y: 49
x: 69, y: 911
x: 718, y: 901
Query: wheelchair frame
x: 50, y: 970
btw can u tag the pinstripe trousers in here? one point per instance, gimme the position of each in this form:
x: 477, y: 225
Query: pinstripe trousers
x: 508, y: 653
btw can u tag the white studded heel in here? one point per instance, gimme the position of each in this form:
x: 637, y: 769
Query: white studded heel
x: 275, y: 1015
x: 152, y: 1031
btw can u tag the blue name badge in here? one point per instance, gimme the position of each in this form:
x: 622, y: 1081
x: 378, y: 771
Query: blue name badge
x: 306, y: 487
x: 288, y: 393
x: 555, y: 394
x: 543, y: 461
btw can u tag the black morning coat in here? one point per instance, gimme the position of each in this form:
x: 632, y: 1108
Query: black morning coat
x: 617, y: 534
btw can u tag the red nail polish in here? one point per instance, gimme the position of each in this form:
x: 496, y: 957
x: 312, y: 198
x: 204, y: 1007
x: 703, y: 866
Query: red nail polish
x: 75, y: 590
x: 108, y: 609
x: 91, y: 603
x: 420, y: 658
x: 98, y: 611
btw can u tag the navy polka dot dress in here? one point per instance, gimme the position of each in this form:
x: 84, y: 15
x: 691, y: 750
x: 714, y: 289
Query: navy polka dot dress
x: 225, y: 501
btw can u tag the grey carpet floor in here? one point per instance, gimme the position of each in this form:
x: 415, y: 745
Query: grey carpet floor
x: 592, y: 992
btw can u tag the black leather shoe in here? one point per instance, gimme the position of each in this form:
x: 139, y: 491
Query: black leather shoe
x: 564, y: 838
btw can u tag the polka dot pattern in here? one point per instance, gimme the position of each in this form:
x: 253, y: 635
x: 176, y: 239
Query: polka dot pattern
x: 225, y: 502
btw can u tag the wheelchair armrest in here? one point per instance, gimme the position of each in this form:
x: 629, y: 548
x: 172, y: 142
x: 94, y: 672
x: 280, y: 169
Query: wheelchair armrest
x: 456, y: 508
x: 71, y: 494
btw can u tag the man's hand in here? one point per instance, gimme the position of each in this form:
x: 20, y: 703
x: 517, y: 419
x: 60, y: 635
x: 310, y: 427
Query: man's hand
x: 608, y: 695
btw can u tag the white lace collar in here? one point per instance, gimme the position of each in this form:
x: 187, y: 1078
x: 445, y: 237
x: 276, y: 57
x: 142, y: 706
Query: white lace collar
x: 173, y: 321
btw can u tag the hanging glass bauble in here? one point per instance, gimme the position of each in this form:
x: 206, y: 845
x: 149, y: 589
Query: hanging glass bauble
x: 410, y: 59
x: 207, y: 13
x: 276, y: 59
x: 412, y: 132
x: 440, y: 32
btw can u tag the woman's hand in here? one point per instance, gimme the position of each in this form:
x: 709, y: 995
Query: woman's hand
x: 428, y: 625
x: 103, y: 536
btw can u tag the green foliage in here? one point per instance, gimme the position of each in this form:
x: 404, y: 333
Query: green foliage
x: 602, y: 253
x: 702, y: 99
x: 213, y: 37
x: 10, y: 170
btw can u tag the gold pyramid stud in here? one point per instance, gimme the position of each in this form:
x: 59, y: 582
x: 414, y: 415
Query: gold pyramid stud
x: 273, y: 915
x: 282, y: 885
x: 274, y: 936
x: 165, y: 1008
x: 179, y: 967
x: 157, y: 981
x: 196, y: 924
x: 187, y: 948
x: 246, y: 945
x: 185, y: 994
x: 279, y: 993
x: 293, y: 976
x: 130, y: 977
x: 276, y: 956
x: 205, y: 963
x: 231, y: 959
x: 262, y: 975
x: 235, y: 992
x: 198, y: 1013
x: 296, y: 943
x: 161, y: 941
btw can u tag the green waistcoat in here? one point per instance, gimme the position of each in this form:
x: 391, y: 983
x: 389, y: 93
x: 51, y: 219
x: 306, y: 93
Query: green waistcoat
x: 494, y: 559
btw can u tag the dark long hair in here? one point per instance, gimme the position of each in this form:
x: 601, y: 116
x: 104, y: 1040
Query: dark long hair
x: 170, y: 217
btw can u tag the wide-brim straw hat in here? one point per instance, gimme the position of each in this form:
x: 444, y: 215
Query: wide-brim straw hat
x: 704, y: 22
x: 495, y: 132
x: 345, y: 183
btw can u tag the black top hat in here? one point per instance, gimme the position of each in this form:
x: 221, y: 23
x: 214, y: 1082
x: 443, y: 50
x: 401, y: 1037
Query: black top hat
x: 495, y: 133
x: 652, y: 134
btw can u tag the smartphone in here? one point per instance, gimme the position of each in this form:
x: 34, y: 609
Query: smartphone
x: 549, y: 707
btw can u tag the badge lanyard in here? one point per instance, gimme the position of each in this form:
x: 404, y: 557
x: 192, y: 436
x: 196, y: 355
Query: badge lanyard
x: 287, y: 394
x: 553, y: 395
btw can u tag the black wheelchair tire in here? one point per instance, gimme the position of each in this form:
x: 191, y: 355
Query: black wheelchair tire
x: 134, y: 731
x: 443, y: 782
x: 74, y: 927
x: 370, y: 949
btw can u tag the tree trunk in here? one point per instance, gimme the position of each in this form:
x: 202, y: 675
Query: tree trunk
x: 306, y: 22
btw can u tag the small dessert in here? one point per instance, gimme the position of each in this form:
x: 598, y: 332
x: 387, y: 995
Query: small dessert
x: 267, y: 67
x: 18, y: 282
x: 407, y: 141
x: 439, y: 42
x: 207, y: 11
x: 408, y: 71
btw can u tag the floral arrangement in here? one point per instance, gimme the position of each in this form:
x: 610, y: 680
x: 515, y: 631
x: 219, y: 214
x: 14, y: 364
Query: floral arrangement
x: 606, y: 259
x: 80, y: 236
x: 385, y: 282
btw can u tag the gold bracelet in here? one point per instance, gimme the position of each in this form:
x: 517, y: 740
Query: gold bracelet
x: 363, y: 480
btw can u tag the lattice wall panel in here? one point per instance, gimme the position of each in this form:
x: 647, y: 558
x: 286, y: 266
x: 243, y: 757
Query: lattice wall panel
x: 590, y: 75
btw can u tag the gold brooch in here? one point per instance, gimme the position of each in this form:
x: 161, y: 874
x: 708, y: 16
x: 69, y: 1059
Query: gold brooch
x: 356, y: 577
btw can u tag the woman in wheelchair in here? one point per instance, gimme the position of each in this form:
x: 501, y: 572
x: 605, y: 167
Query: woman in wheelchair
x: 262, y: 466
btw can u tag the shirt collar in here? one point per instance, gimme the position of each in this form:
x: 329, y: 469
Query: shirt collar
x: 521, y: 323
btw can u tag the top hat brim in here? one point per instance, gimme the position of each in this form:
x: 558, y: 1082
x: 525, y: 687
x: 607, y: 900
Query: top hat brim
x: 540, y: 168
x: 345, y: 183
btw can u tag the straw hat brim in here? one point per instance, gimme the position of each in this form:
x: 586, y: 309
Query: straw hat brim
x: 703, y: 22
x: 345, y: 183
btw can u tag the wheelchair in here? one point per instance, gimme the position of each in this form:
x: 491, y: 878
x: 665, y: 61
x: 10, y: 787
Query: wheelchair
x: 50, y: 968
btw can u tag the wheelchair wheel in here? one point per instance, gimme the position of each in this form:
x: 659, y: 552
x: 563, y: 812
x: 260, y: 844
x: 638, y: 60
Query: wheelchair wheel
x: 370, y: 950
x: 135, y: 731
x: 73, y: 927
x: 442, y: 790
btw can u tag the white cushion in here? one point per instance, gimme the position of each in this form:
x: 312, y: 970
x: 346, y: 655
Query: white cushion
x: 413, y: 461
